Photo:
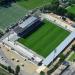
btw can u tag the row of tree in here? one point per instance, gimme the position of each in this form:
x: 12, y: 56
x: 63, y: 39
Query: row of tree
x: 16, y: 72
x: 6, y: 2
x: 56, y: 8
x: 10, y: 70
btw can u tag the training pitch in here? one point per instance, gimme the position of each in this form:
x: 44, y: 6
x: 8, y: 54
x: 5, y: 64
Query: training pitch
x: 10, y: 15
x: 44, y: 40
x: 32, y: 4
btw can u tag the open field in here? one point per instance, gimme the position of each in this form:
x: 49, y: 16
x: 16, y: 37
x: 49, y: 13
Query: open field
x: 10, y: 15
x: 31, y: 4
x: 3, y: 72
x: 71, y: 9
x: 45, y: 39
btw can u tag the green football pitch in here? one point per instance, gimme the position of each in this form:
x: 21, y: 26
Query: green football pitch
x: 44, y: 40
x: 31, y: 4
x: 71, y: 9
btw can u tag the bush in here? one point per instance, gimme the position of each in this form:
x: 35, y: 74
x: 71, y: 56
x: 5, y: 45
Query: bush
x: 3, y: 66
x: 42, y: 73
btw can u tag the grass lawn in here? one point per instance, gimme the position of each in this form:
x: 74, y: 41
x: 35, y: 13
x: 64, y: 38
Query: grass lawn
x: 31, y: 4
x: 72, y: 57
x: 3, y: 72
x: 10, y: 15
x: 71, y: 9
x: 45, y: 39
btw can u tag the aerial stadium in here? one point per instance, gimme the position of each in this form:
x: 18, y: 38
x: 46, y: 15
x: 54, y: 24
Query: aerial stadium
x: 45, y: 39
x: 39, y: 39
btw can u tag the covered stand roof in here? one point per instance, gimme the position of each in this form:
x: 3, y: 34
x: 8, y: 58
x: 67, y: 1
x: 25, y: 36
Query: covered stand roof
x: 59, y: 49
x: 27, y: 23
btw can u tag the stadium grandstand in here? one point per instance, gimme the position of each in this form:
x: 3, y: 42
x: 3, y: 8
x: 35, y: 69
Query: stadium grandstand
x: 27, y: 26
x: 20, y: 30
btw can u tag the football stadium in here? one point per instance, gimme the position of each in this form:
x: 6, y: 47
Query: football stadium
x: 40, y: 40
x: 44, y: 39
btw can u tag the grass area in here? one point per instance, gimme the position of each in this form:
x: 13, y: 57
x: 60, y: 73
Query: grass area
x: 45, y: 39
x: 72, y: 57
x: 31, y: 4
x: 71, y: 9
x: 10, y: 15
x: 3, y: 72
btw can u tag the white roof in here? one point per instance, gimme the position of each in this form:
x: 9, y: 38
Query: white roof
x: 59, y: 49
x: 28, y: 21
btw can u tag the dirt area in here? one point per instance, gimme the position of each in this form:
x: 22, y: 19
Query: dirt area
x: 17, y: 59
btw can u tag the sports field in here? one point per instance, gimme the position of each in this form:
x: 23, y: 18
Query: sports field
x: 10, y: 15
x: 71, y: 9
x: 31, y: 4
x: 45, y: 39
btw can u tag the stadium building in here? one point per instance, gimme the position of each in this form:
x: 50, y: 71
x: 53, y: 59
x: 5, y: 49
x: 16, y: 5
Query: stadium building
x: 19, y: 31
x: 27, y: 26
x: 25, y: 29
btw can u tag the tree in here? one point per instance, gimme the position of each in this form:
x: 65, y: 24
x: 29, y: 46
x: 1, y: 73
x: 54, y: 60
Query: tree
x: 71, y: 16
x: 17, y: 70
x: 73, y: 47
x: 42, y: 73
x: 9, y: 69
x: 1, y: 1
x: 61, y: 11
x: 55, y: 2
x: 6, y: 2
x: 62, y: 57
x: 72, y: 1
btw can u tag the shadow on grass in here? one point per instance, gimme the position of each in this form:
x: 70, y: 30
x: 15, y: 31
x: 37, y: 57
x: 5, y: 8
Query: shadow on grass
x: 7, y: 3
x: 29, y: 31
